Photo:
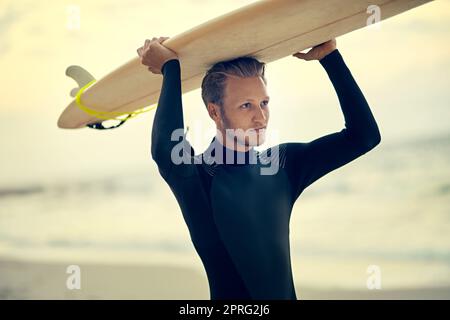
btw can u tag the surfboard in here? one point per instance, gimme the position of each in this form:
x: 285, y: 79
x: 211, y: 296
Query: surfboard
x: 267, y: 30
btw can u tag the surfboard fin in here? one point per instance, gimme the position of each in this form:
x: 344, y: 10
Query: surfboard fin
x: 80, y: 75
x: 82, y: 78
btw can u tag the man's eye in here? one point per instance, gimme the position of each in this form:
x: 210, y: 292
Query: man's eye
x: 244, y: 106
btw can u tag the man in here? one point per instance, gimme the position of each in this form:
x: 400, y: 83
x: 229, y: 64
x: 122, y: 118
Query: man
x: 238, y: 218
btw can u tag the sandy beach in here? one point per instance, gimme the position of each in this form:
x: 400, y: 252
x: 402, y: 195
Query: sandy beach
x: 31, y: 280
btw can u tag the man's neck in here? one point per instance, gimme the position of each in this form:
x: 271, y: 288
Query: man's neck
x: 231, y: 144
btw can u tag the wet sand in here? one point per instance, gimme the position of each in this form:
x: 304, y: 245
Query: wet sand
x: 31, y: 280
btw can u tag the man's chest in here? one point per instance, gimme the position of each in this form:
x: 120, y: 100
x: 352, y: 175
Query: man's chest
x: 243, y: 198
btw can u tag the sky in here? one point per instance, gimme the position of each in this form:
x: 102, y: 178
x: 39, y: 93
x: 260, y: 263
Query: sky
x: 402, y: 69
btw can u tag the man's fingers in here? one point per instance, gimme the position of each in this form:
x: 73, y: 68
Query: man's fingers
x: 305, y: 56
x: 300, y: 55
x: 162, y: 39
x: 148, y: 41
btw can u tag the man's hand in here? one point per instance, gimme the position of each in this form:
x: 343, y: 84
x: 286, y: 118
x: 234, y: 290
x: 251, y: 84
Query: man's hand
x: 153, y: 54
x: 317, y: 52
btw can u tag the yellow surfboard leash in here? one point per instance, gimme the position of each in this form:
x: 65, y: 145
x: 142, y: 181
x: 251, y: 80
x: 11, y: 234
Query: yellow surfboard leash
x: 106, y: 115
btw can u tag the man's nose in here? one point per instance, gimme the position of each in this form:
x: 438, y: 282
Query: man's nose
x: 260, y: 115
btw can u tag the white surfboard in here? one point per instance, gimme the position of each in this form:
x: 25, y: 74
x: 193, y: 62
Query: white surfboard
x: 268, y: 30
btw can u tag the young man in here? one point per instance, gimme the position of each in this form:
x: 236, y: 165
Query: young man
x: 238, y: 218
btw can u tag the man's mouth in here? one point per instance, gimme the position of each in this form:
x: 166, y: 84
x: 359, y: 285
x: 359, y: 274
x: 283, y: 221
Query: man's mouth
x: 259, y: 129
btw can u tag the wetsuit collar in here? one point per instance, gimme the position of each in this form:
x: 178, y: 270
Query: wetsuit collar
x: 229, y: 156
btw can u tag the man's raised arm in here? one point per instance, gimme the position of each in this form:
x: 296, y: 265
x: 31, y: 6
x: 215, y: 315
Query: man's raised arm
x: 360, y: 125
x: 168, y: 117
x: 169, y: 111
x: 307, y: 162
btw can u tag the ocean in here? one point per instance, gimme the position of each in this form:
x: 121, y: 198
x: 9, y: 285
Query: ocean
x: 389, y: 208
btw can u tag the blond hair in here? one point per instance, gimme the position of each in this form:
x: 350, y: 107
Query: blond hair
x: 214, y: 81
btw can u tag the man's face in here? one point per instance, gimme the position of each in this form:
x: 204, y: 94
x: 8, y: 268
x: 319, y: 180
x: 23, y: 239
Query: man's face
x: 246, y: 107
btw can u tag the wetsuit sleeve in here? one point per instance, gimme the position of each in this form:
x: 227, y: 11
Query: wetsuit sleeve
x: 307, y: 162
x: 168, y: 117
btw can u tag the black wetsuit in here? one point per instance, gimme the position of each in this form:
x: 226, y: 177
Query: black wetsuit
x: 238, y: 218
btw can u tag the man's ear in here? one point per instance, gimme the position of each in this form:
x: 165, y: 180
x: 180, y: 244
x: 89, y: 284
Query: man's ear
x: 214, y: 112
